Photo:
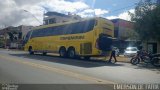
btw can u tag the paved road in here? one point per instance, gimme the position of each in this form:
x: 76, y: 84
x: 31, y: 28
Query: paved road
x: 19, y: 67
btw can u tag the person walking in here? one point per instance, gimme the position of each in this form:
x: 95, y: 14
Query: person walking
x: 113, y: 54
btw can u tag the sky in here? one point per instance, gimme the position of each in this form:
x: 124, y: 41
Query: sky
x: 13, y: 12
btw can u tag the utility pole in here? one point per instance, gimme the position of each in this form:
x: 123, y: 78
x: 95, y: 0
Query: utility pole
x: 41, y: 23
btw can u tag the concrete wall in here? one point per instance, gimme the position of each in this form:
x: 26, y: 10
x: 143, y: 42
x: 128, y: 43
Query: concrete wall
x: 148, y: 45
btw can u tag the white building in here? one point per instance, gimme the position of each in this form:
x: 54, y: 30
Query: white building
x: 17, y: 33
x: 55, y: 17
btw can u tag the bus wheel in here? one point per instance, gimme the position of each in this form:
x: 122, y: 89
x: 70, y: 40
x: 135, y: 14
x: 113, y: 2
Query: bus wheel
x: 87, y: 57
x: 62, y: 52
x: 30, y: 50
x: 44, y: 53
x: 71, y: 53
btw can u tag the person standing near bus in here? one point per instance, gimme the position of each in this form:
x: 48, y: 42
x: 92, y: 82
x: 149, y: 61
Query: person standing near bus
x: 113, y: 54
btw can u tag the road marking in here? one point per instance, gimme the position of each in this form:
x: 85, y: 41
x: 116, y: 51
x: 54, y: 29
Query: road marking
x: 61, y: 71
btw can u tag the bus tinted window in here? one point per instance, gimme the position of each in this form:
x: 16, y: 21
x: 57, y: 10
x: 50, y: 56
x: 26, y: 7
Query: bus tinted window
x: 74, y: 28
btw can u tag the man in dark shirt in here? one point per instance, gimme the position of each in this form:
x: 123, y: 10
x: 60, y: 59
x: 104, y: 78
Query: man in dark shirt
x: 113, y: 54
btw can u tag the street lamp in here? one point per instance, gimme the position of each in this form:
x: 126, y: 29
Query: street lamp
x: 34, y: 17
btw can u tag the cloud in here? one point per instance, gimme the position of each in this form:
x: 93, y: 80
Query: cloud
x: 86, y: 13
x: 12, y: 14
x: 92, y: 12
x: 123, y: 15
x: 100, y: 12
x: 64, y: 6
x: 12, y: 11
x: 9, y: 12
x: 26, y: 2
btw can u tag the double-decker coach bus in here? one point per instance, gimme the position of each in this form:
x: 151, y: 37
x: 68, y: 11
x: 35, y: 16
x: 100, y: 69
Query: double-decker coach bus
x: 86, y: 38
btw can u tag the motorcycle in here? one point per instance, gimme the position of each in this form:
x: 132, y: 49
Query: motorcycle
x: 143, y: 56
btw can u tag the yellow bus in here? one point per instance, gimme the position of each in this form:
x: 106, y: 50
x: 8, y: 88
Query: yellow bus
x: 86, y: 38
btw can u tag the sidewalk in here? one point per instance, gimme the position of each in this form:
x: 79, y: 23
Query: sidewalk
x: 120, y: 58
x: 11, y: 49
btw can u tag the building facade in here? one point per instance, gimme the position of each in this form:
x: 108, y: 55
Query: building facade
x: 55, y: 17
x: 12, y: 37
x: 126, y: 36
x: 152, y: 46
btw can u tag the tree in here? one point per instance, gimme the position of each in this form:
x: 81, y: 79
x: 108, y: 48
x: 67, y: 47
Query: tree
x: 1, y: 42
x: 20, y: 35
x: 11, y: 36
x: 147, y: 19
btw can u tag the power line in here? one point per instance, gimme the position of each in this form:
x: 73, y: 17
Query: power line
x: 123, y: 8
x: 114, y: 11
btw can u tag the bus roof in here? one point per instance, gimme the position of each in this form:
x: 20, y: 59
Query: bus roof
x: 59, y: 24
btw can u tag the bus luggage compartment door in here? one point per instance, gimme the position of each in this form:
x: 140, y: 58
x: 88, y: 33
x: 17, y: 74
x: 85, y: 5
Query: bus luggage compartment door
x: 86, y: 48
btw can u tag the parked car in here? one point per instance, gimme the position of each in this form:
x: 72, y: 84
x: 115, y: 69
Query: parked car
x: 130, y: 51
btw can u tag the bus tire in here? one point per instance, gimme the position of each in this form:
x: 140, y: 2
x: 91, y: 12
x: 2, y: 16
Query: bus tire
x: 44, y: 53
x: 62, y: 52
x: 87, y: 57
x: 71, y: 53
x: 30, y: 50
